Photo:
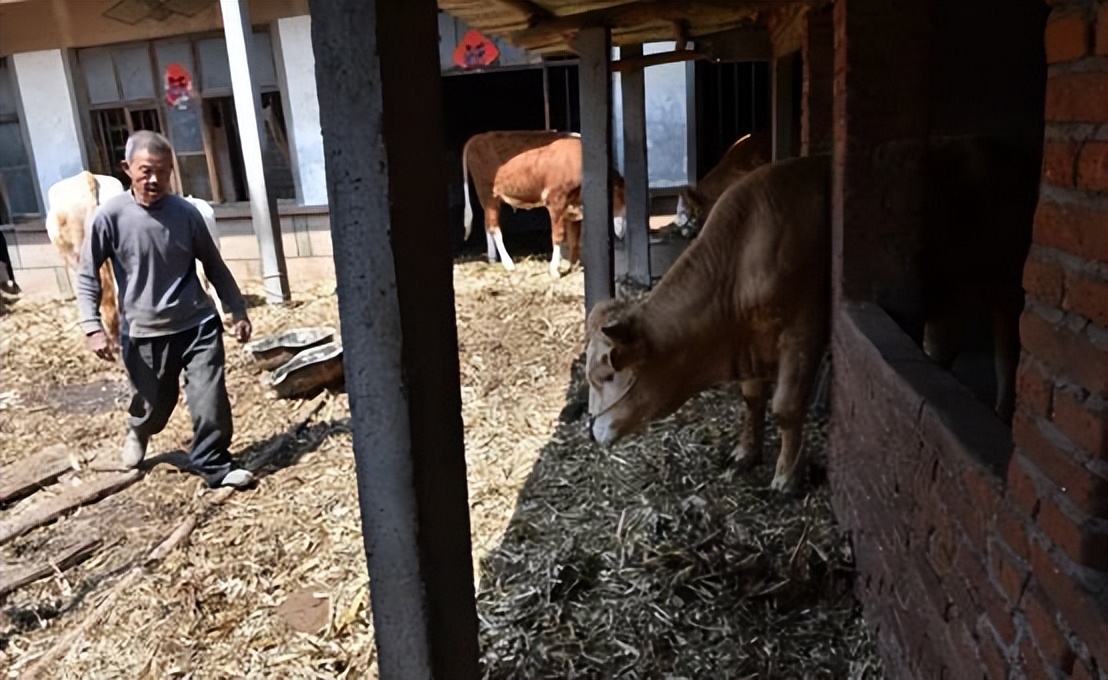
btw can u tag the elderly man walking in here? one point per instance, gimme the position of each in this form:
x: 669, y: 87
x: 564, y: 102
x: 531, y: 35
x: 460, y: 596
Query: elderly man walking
x: 168, y: 323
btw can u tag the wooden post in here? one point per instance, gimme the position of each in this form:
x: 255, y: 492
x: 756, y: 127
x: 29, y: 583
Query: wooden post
x: 636, y: 238
x: 692, y: 115
x: 594, y: 75
x: 263, y: 203
x: 782, y: 79
x: 383, y: 139
x: 545, y: 95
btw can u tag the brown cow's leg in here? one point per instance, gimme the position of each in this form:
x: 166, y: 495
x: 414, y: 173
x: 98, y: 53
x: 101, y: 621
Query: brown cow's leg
x: 796, y: 375
x: 753, y: 427
x: 573, y: 236
x: 557, y: 237
x: 494, y: 239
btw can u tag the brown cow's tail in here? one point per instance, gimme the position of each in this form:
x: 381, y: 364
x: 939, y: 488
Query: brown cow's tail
x: 465, y: 190
x: 109, y: 304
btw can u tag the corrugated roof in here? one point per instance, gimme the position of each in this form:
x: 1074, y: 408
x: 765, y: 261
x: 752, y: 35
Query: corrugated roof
x: 549, y: 25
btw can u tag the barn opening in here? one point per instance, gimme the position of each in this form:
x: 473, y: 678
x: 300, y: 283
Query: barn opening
x: 504, y: 99
x: 732, y: 99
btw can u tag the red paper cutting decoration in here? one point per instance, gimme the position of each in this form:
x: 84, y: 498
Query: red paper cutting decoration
x: 178, y: 86
x: 475, y: 51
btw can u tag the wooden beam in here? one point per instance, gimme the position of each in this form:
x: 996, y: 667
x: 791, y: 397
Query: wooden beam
x: 639, y: 61
x: 394, y: 265
x: 636, y: 237
x: 46, y: 511
x: 595, y: 85
x: 17, y: 576
x: 39, y: 469
x: 782, y: 87
x: 532, y: 11
x: 619, y: 16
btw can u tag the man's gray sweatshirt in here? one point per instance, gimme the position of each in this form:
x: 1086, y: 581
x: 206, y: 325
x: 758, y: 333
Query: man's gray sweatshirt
x: 153, y: 250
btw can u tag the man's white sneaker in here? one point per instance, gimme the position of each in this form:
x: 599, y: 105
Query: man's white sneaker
x: 238, y: 478
x: 134, y: 450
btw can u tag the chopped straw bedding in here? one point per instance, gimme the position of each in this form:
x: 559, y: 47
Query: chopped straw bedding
x: 654, y: 559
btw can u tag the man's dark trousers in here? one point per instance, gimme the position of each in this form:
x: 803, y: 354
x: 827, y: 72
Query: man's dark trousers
x: 155, y: 365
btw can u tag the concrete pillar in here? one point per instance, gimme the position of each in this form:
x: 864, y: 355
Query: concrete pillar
x: 263, y: 203
x: 637, y: 228
x: 50, y: 113
x: 594, y: 74
x: 393, y: 260
x: 296, y: 74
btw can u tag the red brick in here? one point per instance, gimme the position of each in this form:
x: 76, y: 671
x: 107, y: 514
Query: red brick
x: 1034, y: 390
x: 1031, y: 661
x: 1077, y: 98
x: 1011, y: 528
x: 1060, y: 163
x: 1009, y: 574
x: 1067, y: 36
x: 1065, y: 353
x: 1092, y: 167
x: 1102, y: 30
x: 1081, y: 672
x: 992, y: 657
x: 1044, y: 280
x: 1074, y: 536
x: 1084, y: 489
x: 1077, y: 229
x: 1088, y: 297
x: 1052, y: 645
x: 1084, y: 424
x: 1079, y: 609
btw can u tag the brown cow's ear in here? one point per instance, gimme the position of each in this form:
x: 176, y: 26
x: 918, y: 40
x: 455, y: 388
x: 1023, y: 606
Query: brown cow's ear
x: 627, y: 356
x: 621, y: 332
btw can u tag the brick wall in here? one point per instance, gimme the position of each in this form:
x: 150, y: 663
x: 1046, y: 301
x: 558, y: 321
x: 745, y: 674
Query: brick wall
x: 981, y: 552
x: 1057, y: 501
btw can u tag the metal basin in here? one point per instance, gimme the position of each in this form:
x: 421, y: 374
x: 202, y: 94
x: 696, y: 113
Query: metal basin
x: 275, y: 350
x: 308, y: 373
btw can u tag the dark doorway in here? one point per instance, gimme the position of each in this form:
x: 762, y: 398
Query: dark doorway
x: 732, y: 99
x: 503, y: 100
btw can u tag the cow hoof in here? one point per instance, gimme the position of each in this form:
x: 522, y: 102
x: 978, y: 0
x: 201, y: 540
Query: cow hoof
x: 744, y: 459
x: 786, y: 485
x: 555, y: 273
x: 509, y: 265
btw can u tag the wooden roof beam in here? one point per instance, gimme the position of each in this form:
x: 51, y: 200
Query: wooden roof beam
x: 632, y: 63
x: 617, y: 16
x: 532, y: 11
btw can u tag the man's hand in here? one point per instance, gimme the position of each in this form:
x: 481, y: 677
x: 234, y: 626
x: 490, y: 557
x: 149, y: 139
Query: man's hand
x: 97, y: 343
x: 241, y: 329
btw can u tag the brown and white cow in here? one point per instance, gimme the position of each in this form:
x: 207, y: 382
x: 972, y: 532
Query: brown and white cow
x: 748, y: 152
x: 748, y: 300
x: 482, y: 156
x: 551, y: 176
x: 73, y: 205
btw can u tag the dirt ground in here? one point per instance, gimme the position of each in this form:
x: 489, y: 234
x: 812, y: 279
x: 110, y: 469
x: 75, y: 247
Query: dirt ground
x: 272, y: 583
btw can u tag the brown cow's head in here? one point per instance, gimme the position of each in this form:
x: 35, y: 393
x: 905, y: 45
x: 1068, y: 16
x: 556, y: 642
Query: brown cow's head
x: 692, y: 207
x: 627, y: 387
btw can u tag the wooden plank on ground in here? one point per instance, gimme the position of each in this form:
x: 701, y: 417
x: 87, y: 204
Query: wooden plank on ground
x: 46, y: 511
x: 13, y: 577
x: 26, y: 476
